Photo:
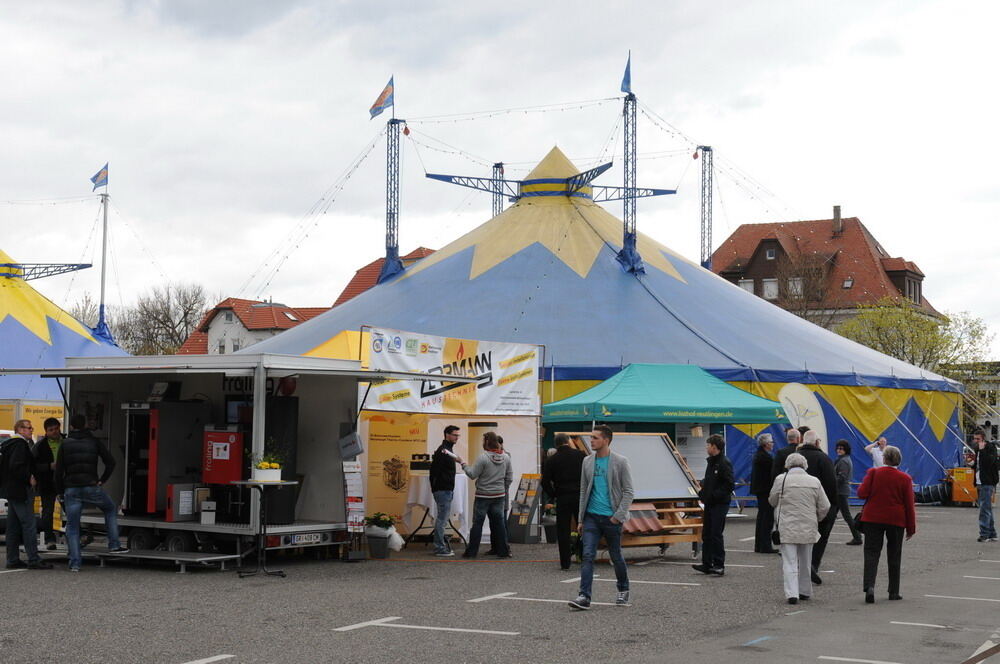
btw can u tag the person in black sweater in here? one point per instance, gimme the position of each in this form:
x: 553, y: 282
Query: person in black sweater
x: 794, y: 438
x: 77, y: 481
x: 442, y: 476
x: 716, y: 494
x: 820, y: 467
x: 17, y: 482
x: 45, y: 451
x: 984, y: 468
x: 561, y: 480
x: 761, y: 479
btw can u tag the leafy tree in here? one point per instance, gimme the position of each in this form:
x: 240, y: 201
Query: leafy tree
x: 902, y: 330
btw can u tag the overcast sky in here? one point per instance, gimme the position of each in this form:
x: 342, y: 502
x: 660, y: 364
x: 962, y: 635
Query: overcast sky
x: 229, y: 126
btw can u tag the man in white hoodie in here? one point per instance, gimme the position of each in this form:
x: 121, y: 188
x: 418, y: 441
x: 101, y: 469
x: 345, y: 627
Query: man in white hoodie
x: 493, y: 474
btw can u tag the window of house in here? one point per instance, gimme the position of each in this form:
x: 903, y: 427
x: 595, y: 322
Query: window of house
x: 228, y: 317
x: 236, y: 345
x: 769, y: 254
x: 849, y: 282
x: 747, y: 285
x: 291, y: 317
x: 913, y: 290
x: 770, y: 289
x: 795, y: 286
x: 222, y: 346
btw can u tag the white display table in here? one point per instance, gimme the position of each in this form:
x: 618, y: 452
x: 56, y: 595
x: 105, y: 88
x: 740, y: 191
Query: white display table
x: 421, y: 510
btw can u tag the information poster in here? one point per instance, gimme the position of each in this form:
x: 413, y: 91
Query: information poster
x: 506, y: 375
x: 393, y: 440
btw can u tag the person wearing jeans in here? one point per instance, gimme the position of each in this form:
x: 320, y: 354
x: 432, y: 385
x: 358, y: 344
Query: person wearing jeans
x: 984, y: 466
x: 77, y: 481
x: 605, y: 497
x: 442, y: 478
x: 17, y: 482
x: 493, y: 474
x: 74, y: 498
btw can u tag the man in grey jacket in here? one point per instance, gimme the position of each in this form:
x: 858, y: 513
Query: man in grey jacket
x: 493, y: 474
x: 605, y: 497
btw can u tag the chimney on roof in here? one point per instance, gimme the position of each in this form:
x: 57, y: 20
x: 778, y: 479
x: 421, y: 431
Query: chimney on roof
x: 838, y: 223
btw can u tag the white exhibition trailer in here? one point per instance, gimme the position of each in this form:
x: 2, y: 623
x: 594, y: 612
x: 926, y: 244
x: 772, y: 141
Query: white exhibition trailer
x: 326, y: 390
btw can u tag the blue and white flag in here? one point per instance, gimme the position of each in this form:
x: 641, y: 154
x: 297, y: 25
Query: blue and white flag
x: 100, y: 178
x: 384, y: 100
x: 627, y: 78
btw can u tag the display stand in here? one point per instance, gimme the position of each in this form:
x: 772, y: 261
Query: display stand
x: 522, y: 524
x: 262, y: 487
x: 354, y: 501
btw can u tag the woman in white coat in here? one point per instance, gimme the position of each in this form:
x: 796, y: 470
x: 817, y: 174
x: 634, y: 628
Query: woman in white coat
x: 800, y: 504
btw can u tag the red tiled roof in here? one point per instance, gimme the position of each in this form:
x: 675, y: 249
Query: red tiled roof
x: 254, y: 315
x: 853, y: 252
x: 367, y: 276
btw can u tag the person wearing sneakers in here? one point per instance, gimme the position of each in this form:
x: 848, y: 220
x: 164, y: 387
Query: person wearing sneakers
x: 984, y: 468
x: 17, y: 484
x: 77, y: 482
x: 493, y: 474
x: 716, y: 493
x: 605, y: 497
x: 442, y: 476
x: 45, y: 451
x: 844, y: 468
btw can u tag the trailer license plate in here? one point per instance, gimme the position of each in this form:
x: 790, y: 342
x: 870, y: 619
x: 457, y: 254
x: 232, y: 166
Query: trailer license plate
x: 307, y: 538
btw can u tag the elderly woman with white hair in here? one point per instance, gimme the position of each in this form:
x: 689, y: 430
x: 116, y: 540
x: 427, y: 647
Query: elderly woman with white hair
x: 800, y: 504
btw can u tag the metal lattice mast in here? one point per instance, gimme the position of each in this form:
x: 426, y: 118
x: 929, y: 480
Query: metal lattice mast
x: 497, y: 188
x: 629, y: 256
x: 392, y: 265
x: 706, y: 206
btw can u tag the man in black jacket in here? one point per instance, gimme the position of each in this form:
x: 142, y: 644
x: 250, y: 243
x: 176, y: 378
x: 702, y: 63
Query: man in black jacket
x: 561, y: 480
x: 442, y: 475
x: 984, y: 467
x: 820, y: 467
x: 17, y: 479
x: 761, y: 479
x: 793, y: 437
x: 45, y: 451
x: 77, y: 481
x: 716, y: 493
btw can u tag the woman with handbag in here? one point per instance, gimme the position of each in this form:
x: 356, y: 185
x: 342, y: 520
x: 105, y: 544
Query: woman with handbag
x: 888, y: 510
x: 800, y: 504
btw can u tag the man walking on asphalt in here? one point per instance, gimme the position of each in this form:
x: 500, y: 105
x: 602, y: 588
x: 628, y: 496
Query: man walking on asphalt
x: 984, y: 466
x: 761, y: 479
x: 716, y: 493
x: 442, y: 476
x: 820, y: 467
x: 17, y: 483
x: 77, y: 481
x: 605, y: 497
x: 561, y: 480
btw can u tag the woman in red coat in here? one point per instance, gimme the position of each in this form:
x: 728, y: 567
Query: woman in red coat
x: 888, y: 511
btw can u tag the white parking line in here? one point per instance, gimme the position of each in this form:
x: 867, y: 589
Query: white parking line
x: 985, y: 578
x: 913, y: 624
x: 510, y: 596
x: 390, y: 622
x: 989, y: 561
x: 498, y: 595
x: 9, y: 571
x: 851, y: 659
x: 655, y: 583
x: 747, y: 539
x: 216, y: 658
x: 971, y: 599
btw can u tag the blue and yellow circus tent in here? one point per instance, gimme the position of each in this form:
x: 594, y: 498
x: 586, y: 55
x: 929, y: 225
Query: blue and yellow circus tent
x: 34, y: 332
x: 545, y: 271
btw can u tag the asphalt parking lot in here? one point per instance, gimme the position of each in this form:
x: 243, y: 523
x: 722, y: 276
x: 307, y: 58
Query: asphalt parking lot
x: 417, y: 608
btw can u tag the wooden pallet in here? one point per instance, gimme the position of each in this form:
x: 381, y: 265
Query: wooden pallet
x: 666, y: 521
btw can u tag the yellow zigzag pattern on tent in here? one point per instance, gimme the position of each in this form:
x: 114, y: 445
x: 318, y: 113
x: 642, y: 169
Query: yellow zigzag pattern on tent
x: 870, y: 410
x: 32, y: 309
x: 573, y: 229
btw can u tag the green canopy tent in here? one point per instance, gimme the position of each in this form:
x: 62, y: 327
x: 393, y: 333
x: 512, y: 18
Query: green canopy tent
x: 665, y: 393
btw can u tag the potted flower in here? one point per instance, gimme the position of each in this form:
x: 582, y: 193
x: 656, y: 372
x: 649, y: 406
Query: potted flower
x: 267, y: 468
x: 379, y: 526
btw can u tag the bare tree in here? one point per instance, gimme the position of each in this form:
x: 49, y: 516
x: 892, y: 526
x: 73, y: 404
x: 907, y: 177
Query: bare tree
x: 804, y: 289
x: 157, y: 324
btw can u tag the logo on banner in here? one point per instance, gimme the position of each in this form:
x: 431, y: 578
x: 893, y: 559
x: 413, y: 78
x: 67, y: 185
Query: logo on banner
x: 377, y: 342
x: 411, y: 346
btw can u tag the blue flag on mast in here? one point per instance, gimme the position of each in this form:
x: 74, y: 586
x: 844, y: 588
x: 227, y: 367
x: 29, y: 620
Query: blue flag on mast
x: 100, y: 178
x: 384, y: 100
x: 627, y: 78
